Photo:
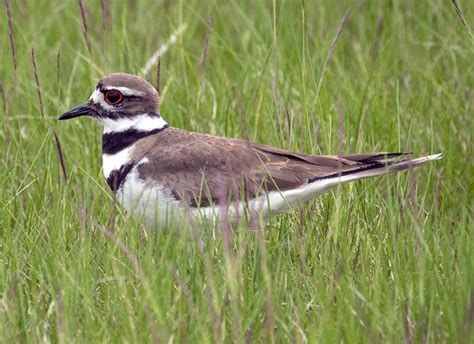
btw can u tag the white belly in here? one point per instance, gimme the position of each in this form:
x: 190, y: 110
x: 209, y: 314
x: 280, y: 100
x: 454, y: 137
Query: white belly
x: 157, y: 207
x: 151, y: 203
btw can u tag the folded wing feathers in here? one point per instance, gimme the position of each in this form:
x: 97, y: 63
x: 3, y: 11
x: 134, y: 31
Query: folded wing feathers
x: 183, y: 159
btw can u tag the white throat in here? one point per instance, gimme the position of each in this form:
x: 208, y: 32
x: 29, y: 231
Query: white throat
x: 143, y: 122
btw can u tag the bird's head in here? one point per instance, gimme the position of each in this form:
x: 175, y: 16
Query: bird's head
x: 121, y: 101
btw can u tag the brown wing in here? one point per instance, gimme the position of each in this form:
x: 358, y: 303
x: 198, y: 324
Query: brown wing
x: 203, y: 169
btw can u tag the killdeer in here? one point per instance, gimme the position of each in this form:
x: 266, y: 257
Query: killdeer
x: 155, y: 170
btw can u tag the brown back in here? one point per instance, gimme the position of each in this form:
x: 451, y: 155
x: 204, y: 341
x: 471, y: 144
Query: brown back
x: 203, y: 169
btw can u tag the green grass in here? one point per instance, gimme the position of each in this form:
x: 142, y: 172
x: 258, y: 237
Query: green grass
x: 383, y: 260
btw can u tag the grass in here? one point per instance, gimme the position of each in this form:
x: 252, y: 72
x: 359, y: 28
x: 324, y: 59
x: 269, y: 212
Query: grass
x: 382, y: 260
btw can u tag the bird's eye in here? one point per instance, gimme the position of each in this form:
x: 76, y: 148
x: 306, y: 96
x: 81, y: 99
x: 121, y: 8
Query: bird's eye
x: 113, y: 97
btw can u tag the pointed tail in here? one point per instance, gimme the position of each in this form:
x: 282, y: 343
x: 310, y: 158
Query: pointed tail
x: 383, y: 167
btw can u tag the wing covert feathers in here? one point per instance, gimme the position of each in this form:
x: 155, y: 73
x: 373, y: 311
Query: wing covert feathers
x: 202, y: 169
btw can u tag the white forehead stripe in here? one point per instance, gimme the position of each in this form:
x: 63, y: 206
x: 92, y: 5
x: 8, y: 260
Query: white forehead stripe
x: 98, y: 98
x: 125, y: 90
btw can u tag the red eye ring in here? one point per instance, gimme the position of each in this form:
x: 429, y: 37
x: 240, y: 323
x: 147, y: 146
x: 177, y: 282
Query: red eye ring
x: 113, y: 97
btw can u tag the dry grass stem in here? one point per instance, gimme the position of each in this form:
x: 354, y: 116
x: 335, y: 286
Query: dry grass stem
x: 341, y: 131
x: 469, y: 316
x: 407, y: 324
x: 58, y: 73
x: 2, y: 96
x: 461, y: 17
x: 336, y: 37
x: 105, y: 12
x: 205, y: 51
x: 163, y: 49
x: 331, y: 50
x: 85, y: 30
x: 11, y: 35
x: 37, y: 82
x: 158, y: 76
x: 60, y: 155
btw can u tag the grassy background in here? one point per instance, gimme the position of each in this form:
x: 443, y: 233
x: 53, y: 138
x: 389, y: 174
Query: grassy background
x: 388, y: 259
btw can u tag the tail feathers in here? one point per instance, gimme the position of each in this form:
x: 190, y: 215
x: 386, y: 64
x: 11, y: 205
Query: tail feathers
x: 388, y: 167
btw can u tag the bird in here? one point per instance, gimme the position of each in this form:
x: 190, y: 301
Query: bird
x: 163, y: 174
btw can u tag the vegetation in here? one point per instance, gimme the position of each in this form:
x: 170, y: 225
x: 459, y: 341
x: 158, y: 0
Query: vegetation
x: 382, y: 260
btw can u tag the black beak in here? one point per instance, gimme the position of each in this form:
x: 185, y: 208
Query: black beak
x: 81, y: 110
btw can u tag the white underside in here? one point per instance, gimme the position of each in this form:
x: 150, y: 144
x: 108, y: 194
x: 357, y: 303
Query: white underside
x: 158, y: 208
x: 153, y: 203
